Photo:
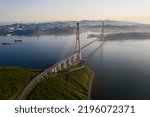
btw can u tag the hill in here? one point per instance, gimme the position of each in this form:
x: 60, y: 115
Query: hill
x: 13, y: 80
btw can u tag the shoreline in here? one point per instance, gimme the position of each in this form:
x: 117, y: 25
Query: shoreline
x: 124, y: 36
x: 90, y: 82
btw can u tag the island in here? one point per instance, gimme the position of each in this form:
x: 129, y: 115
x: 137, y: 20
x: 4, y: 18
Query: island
x: 123, y: 36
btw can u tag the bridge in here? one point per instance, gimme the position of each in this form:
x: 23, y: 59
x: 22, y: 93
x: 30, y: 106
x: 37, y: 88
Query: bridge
x: 68, y: 61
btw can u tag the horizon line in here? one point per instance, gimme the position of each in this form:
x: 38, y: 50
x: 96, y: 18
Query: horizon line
x: 36, y: 22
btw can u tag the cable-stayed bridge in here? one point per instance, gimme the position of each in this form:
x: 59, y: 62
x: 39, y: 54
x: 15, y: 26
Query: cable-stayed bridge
x: 66, y: 62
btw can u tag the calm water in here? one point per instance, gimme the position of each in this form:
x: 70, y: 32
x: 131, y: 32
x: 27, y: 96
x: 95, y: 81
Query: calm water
x: 122, y: 68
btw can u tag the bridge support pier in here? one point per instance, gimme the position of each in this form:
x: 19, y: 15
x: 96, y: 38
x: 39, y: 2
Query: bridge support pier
x: 65, y: 65
x: 74, y: 58
x: 79, y: 55
x: 70, y: 61
x: 50, y: 72
x: 59, y: 67
x: 45, y: 75
x: 55, y: 70
x: 41, y: 77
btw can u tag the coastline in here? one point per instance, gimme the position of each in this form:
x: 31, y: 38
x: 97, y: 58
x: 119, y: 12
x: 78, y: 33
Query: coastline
x: 90, y: 82
x: 124, y: 36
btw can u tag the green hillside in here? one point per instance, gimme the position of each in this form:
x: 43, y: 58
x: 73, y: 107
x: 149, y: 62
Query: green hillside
x: 13, y: 80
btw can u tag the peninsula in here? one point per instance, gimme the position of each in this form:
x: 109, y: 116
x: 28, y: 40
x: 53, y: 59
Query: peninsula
x: 69, y: 84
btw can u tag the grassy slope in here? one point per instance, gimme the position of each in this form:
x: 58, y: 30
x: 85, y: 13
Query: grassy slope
x: 65, y: 85
x: 13, y: 79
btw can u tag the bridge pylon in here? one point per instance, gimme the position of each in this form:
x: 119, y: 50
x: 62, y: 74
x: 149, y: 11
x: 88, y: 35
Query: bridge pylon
x: 77, y: 46
x: 102, y: 32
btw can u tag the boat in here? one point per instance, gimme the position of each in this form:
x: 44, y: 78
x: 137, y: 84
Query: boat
x: 5, y: 43
x: 8, y: 35
x: 18, y: 40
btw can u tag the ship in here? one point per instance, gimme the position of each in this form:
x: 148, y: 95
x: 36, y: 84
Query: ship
x: 18, y: 40
x: 8, y: 35
x: 5, y: 43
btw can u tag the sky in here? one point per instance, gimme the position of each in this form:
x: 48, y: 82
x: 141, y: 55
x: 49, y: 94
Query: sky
x: 66, y: 10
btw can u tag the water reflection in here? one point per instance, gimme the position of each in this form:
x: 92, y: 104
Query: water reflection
x: 94, y: 51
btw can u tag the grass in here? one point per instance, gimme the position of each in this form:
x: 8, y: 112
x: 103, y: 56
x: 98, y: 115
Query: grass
x: 63, y: 86
x: 13, y: 80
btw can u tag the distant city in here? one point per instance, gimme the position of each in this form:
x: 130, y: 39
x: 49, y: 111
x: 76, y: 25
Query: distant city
x: 33, y: 28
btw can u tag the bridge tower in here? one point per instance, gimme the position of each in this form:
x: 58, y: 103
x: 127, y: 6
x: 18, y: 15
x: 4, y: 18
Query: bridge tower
x: 102, y: 31
x: 77, y: 46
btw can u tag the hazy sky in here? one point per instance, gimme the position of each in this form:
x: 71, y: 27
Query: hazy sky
x: 64, y: 10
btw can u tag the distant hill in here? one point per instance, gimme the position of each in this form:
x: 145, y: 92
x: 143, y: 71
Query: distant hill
x: 69, y: 27
x: 90, y: 23
x: 83, y: 23
x: 87, y: 23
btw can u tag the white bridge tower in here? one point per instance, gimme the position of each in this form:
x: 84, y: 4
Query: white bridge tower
x: 77, y: 46
x: 102, y: 32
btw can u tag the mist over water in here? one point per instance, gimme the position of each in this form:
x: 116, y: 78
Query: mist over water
x: 122, y: 68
